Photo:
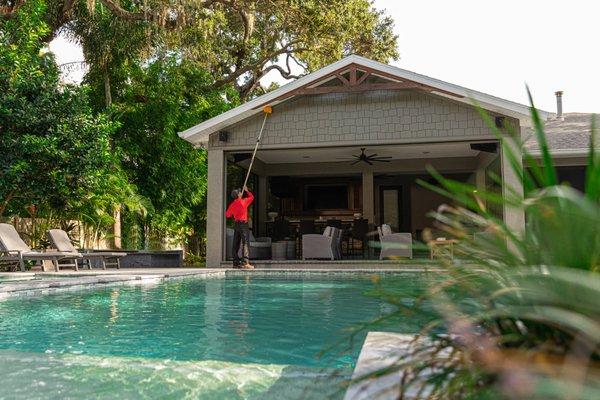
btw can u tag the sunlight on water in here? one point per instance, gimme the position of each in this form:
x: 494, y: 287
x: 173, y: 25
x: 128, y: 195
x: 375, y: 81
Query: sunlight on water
x: 43, y: 376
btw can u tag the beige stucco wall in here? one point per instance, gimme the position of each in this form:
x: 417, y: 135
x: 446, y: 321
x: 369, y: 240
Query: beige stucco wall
x: 371, y: 117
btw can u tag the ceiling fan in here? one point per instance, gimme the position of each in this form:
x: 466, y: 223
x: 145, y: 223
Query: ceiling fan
x: 366, y: 158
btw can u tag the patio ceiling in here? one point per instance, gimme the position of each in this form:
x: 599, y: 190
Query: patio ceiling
x: 338, y: 154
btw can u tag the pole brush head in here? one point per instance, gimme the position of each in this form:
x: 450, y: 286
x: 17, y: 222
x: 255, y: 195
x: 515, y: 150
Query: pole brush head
x: 267, y: 110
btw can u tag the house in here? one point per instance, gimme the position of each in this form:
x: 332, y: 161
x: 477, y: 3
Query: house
x: 312, y: 162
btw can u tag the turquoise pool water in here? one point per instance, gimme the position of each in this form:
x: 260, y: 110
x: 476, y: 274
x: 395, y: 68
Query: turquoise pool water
x: 252, y: 337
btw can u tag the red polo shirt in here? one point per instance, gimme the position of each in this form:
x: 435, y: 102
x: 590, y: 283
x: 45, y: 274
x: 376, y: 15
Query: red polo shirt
x: 238, y: 209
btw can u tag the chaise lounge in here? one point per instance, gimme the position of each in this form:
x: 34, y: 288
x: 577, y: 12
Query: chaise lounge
x: 60, y: 240
x: 15, y: 250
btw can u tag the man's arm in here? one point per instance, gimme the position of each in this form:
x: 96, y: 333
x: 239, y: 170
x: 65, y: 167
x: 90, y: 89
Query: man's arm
x: 248, y: 200
x: 229, y: 212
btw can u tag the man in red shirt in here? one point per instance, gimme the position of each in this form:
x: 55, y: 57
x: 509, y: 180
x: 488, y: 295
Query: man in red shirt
x: 238, y: 210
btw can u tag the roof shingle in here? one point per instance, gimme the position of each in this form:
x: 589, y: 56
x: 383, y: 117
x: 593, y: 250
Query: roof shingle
x: 570, y: 134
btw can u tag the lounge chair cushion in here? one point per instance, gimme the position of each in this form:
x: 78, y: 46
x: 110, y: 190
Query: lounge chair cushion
x: 10, y: 239
x: 60, y: 240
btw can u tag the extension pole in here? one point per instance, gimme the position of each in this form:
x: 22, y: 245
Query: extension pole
x: 267, y: 110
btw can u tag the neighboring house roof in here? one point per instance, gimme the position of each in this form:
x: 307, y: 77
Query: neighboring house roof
x: 199, y: 134
x: 569, y: 136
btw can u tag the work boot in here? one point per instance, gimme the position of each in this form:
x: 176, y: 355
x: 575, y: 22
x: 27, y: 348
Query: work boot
x: 247, y: 266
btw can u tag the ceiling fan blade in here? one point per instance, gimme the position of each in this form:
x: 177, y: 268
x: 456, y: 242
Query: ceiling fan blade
x: 355, y: 162
x: 379, y: 160
x: 368, y: 162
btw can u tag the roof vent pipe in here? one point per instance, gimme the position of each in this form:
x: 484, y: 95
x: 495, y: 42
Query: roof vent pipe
x: 559, y: 108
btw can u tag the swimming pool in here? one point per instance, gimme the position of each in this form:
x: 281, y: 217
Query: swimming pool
x: 247, y: 336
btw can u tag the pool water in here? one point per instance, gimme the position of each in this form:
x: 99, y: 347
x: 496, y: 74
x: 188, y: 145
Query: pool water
x: 255, y: 337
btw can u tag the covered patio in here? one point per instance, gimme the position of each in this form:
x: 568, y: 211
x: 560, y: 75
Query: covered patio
x: 302, y: 191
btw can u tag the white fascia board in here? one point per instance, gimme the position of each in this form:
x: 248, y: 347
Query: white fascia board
x: 563, y: 153
x: 200, y: 133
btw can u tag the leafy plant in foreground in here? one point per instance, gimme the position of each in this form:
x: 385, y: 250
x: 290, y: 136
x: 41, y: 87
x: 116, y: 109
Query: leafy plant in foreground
x: 520, y: 311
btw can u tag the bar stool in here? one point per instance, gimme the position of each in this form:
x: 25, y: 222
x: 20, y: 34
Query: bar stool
x: 360, y: 229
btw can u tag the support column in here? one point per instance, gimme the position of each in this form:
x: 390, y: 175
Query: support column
x: 514, y: 218
x: 262, y: 204
x: 215, y: 218
x: 480, y: 184
x: 368, y: 197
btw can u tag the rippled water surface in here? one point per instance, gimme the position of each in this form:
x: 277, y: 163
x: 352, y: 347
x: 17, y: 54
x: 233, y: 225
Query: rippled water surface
x: 248, y: 337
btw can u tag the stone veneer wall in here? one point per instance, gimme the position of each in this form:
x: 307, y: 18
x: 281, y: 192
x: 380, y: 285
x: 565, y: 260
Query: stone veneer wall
x: 371, y: 117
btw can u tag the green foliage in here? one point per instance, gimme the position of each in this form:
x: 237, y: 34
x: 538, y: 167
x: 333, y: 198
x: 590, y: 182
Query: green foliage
x: 160, y: 100
x: 54, y: 149
x: 520, y: 308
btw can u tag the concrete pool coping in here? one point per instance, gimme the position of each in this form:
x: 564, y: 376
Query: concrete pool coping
x: 380, y: 351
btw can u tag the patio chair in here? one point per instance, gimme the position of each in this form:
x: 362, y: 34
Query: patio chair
x: 258, y: 248
x: 14, y: 250
x: 325, y: 246
x: 60, y: 240
x: 394, y: 245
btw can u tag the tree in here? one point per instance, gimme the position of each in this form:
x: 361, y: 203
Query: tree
x: 160, y: 100
x: 54, y: 150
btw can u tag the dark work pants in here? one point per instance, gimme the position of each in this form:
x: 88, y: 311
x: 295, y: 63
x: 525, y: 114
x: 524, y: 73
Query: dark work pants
x: 241, y: 241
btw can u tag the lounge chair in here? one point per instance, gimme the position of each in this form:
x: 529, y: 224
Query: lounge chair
x: 60, y: 240
x: 325, y: 246
x: 15, y: 250
x: 394, y: 245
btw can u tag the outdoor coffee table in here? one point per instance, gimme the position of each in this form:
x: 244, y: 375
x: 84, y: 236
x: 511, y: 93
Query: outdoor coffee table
x: 436, y: 247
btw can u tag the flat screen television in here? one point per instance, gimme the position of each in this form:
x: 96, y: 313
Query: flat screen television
x: 325, y: 197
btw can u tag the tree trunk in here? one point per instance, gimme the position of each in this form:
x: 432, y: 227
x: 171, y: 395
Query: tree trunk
x: 117, y: 228
x: 107, y: 94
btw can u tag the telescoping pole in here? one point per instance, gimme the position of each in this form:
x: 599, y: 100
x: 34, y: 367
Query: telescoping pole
x: 267, y: 110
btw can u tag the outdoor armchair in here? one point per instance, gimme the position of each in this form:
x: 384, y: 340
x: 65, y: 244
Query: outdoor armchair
x: 325, y: 246
x: 60, y: 240
x: 259, y: 248
x: 394, y: 245
x: 14, y: 250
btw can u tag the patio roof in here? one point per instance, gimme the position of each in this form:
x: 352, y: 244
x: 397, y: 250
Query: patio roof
x: 344, y: 71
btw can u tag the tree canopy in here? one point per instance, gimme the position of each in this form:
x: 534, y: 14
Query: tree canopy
x: 236, y: 41
x: 54, y: 148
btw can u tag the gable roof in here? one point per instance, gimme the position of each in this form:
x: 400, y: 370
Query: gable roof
x: 199, y: 134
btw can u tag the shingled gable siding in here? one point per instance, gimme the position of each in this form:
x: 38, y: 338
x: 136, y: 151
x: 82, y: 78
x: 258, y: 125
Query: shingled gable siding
x: 371, y: 117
